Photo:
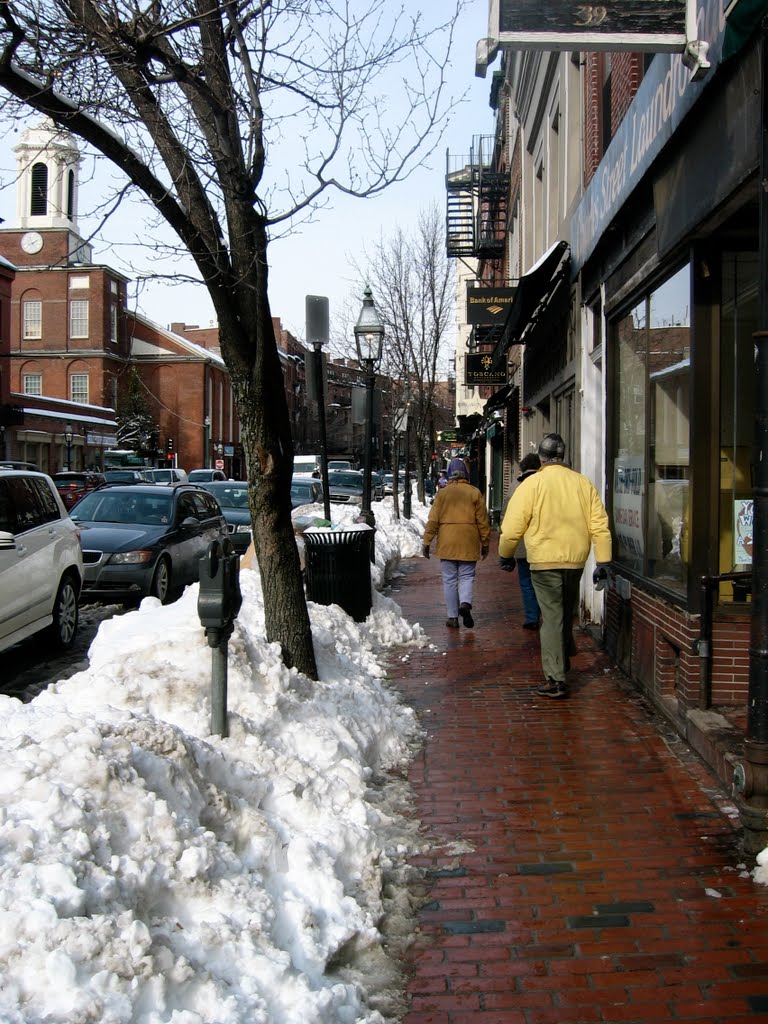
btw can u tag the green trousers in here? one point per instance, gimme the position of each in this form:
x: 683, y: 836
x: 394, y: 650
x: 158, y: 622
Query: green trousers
x: 557, y: 591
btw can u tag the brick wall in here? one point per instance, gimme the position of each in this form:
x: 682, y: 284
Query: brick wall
x: 661, y: 658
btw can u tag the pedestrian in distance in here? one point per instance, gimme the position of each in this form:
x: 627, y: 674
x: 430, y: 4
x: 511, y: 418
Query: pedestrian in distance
x: 562, y: 517
x: 529, y: 464
x: 458, y: 519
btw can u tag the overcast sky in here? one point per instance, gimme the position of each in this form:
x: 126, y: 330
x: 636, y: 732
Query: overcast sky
x: 316, y: 260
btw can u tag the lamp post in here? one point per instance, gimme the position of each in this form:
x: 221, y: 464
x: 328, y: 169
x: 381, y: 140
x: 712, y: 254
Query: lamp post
x: 369, y: 337
x: 318, y: 347
x: 68, y: 435
x: 207, y: 442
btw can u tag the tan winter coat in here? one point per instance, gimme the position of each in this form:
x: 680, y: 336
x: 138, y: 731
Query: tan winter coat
x: 459, y: 519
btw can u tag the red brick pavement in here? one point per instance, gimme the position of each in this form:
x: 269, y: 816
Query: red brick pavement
x: 585, y: 865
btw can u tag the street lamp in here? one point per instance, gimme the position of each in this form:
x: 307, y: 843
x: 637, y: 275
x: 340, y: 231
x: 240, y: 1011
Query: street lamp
x: 206, y: 442
x: 369, y: 337
x: 68, y: 435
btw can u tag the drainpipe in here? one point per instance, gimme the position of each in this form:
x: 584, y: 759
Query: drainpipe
x: 751, y: 776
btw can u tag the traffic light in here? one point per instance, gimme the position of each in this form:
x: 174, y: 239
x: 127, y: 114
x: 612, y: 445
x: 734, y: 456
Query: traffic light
x: 169, y: 444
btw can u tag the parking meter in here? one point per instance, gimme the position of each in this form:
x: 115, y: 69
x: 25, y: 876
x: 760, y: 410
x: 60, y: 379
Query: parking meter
x: 218, y: 603
x: 220, y: 598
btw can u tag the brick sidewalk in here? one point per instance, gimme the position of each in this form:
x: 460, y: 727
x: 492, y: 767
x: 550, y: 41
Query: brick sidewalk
x: 585, y: 864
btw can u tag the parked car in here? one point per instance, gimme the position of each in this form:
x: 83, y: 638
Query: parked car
x: 126, y: 476
x: 345, y: 487
x: 377, y: 487
x: 201, y: 476
x: 305, y: 490
x: 166, y: 476
x: 12, y: 464
x: 72, y: 486
x: 339, y: 464
x: 389, y: 483
x: 145, y: 539
x: 41, y: 564
x: 232, y: 496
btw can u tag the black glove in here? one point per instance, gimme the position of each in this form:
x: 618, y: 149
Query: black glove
x: 600, y: 575
x: 425, y: 550
x: 484, y: 552
x: 507, y: 564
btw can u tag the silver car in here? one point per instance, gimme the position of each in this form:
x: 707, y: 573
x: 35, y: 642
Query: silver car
x: 345, y: 487
x: 41, y: 564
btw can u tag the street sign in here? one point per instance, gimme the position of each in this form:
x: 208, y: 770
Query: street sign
x: 219, y: 464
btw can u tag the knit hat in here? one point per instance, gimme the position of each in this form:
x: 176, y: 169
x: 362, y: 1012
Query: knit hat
x: 552, y: 448
x: 457, y: 469
x: 529, y: 463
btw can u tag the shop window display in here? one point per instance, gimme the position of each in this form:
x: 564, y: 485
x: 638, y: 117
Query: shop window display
x: 651, y: 456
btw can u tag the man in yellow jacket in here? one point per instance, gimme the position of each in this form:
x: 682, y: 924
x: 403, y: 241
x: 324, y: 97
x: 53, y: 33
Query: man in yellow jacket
x: 459, y: 520
x: 561, y: 515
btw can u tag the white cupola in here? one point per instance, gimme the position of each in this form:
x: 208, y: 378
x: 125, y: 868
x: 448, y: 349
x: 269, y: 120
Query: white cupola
x: 48, y: 161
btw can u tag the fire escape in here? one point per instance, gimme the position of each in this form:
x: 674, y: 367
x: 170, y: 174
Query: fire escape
x: 477, y: 191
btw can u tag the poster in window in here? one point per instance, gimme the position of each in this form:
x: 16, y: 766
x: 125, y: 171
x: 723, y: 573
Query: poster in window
x: 742, y: 531
x: 628, y: 491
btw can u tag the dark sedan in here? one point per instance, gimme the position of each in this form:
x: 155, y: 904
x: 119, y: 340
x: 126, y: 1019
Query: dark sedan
x: 145, y: 539
x: 305, y: 490
x: 232, y: 496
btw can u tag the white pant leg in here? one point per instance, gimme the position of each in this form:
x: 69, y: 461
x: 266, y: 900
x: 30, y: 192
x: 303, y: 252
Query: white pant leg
x: 450, y: 571
x: 466, y: 571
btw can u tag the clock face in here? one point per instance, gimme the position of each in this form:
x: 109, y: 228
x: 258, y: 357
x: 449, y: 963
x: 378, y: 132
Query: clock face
x: 32, y: 242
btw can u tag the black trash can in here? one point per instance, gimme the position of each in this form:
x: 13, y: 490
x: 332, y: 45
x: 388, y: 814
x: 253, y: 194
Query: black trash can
x: 337, y: 569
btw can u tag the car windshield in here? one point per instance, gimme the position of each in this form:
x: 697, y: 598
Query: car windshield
x: 229, y: 495
x: 108, y: 506
x: 305, y: 492
x: 350, y: 479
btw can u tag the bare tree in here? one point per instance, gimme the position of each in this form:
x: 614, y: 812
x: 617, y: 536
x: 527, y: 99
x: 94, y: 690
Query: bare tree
x: 193, y: 100
x: 413, y: 284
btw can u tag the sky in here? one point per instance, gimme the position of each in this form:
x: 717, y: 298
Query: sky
x: 318, y: 258
x: 154, y: 873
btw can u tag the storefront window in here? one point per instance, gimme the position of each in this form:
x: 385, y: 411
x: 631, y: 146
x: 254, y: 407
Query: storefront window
x: 651, y: 456
x: 738, y: 323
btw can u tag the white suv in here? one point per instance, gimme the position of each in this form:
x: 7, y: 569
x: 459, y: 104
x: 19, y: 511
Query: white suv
x: 41, y: 563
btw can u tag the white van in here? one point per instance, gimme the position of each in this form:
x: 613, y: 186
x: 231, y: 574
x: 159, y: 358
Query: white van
x: 305, y: 465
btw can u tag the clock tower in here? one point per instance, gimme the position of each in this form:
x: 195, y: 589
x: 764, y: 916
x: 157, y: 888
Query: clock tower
x: 48, y: 162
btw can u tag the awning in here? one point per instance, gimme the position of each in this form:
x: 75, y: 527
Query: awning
x: 498, y: 399
x: 540, y: 295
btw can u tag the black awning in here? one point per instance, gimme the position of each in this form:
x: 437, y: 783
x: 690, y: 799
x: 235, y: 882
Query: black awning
x: 535, y: 292
x: 498, y: 399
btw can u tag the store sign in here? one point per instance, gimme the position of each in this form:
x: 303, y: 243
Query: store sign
x: 489, y: 305
x: 665, y: 96
x: 478, y: 370
x: 637, y: 25
x: 628, y: 506
x: 743, y: 530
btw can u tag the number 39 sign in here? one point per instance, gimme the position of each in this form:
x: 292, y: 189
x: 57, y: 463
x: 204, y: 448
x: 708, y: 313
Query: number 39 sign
x: 640, y: 25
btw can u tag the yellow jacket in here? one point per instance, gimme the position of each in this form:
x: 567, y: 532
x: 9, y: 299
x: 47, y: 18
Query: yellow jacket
x: 561, y: 515
x: 459, y: 520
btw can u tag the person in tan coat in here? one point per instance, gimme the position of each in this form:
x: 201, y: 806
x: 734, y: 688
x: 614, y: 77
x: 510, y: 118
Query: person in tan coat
x: 459, y: 520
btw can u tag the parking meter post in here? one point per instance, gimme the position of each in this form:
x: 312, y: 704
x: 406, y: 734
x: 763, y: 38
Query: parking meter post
x: 219, y: 723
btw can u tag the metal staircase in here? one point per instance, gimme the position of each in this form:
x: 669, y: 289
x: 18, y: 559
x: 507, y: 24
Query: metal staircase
x: 476, y: 202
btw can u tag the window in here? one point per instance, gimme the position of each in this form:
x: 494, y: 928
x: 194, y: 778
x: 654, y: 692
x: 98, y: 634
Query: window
x: 71, y: 195
x: 651, y: 457
x: 113, y: 322
x: 738, y: 324
x: 32, y: 317
x: 32, y: 383
x: 78, y: 388
x: 78, y: 318
x: 38, y: 203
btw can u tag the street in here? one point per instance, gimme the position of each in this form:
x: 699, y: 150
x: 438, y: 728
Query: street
x: 29, y: 668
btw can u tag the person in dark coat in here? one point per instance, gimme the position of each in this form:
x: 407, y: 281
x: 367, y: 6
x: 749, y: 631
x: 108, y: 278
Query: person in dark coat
x: 459, y: 520
x: 529, y: 464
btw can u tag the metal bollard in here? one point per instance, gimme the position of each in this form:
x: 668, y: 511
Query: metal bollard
x: 218, y: 604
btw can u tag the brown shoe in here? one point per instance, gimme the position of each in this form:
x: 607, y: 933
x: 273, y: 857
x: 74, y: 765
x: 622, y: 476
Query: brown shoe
x: 452, y: 623
x: 554, y: 689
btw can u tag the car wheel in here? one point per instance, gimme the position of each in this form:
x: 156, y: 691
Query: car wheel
x: 161, y: 582
x: 65, y: 614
